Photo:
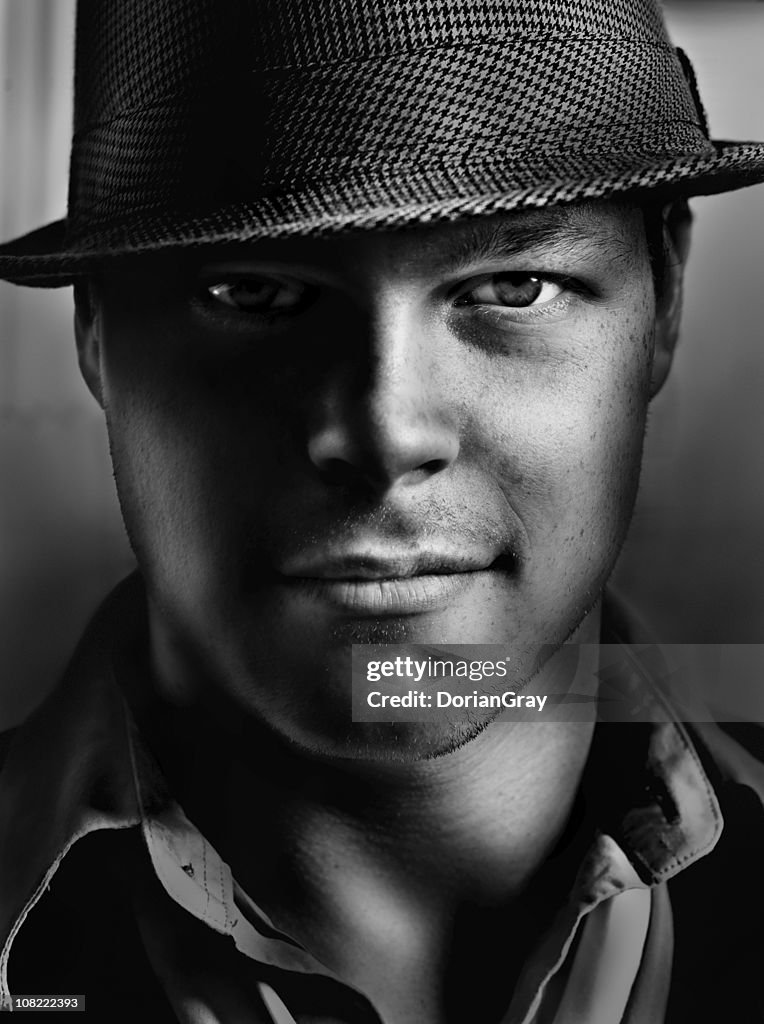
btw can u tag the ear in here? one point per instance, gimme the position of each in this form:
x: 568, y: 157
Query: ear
x: 677, y: 231
x: 87, y: 331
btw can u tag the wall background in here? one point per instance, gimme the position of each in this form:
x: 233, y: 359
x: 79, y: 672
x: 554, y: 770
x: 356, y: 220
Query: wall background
x: 696, y: 551
x: 695, y: 557
x: 61, y: 538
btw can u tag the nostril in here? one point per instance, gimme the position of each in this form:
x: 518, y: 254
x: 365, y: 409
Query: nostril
x: 372, y: 452
x: 338, y: 471
x: 434, y: 466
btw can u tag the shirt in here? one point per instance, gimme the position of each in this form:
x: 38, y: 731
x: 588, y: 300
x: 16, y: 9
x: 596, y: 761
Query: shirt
x: 107, y: 889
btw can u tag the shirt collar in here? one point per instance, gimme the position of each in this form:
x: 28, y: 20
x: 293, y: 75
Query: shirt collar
x: 645, y: 776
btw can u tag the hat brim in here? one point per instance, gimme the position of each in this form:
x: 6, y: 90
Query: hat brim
x: 44, y: 258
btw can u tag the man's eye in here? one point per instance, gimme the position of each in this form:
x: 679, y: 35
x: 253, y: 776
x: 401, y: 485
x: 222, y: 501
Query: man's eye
x: 253, y: 294
x: 516, y: 291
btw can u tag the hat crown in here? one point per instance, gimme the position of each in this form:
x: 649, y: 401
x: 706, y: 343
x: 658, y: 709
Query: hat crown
x: 136, y: 52
x: 317, y: 31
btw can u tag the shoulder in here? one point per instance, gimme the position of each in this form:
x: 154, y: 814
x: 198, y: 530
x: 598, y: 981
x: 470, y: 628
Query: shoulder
x: 718, y: 903
x: 82, y: 938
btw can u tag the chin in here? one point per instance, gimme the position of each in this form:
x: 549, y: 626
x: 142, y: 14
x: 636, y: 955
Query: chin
x: 293, y: 678
x: 393, y: 743
x: 310, y: 708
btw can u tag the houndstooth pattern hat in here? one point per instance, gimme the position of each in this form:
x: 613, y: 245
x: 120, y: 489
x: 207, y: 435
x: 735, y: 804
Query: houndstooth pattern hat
x: 199, y: 122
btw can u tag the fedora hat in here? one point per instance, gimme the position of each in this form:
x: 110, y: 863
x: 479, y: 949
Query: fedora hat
x: 199, y: 122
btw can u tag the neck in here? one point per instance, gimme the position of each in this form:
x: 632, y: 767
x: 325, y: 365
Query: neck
x: 487, y: 812
x: 330, y: 849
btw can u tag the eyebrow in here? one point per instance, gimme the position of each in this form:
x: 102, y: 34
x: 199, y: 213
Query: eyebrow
x: 517, y: 236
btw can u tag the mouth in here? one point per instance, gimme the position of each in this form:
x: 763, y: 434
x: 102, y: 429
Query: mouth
x: 375, y: 585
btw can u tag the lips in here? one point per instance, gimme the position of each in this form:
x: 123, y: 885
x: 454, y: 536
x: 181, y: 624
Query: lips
x: 366, y: 565
x: 369, y: 583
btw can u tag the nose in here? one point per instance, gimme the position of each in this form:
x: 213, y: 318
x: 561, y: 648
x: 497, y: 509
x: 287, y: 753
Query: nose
x: 385, y: 418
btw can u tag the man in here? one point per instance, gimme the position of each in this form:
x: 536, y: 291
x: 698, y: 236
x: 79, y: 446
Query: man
x: 374, y: 298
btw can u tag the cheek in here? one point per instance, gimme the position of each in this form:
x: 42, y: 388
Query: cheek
x: 572, y: 442
x: 161, y: 490
x: 184, y: 473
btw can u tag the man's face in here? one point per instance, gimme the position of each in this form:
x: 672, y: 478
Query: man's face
x: 425, y: 436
